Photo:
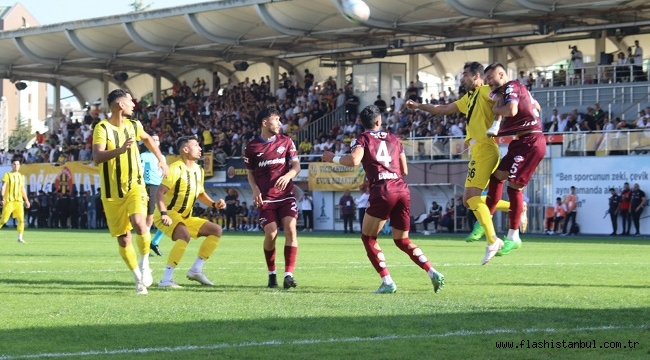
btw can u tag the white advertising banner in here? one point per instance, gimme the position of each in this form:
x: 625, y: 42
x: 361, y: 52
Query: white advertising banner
x: 593, y: 177
x: 323, y: 210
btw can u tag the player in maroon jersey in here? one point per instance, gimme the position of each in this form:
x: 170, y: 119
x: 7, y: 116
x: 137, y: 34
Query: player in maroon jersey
x: 520, y: 113
x: 384, y: 162
x: 272, y: 162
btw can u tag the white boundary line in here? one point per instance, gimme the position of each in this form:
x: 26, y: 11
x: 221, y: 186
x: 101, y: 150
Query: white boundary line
x: 186, y: 348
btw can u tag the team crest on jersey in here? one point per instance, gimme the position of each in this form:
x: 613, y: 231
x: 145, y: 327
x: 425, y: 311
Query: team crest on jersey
x: 471, y: 163
x: 519, y: 158
x: 281, y: 149
x: 353, y: 143
x: 508, y: 90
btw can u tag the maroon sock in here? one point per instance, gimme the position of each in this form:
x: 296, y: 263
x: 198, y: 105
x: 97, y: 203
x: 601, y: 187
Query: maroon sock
x: 375, y: 255
x: 269, y: 255
x: 495, y: 191
x: 414, y: 252
x: 516, y: 207
x: 290, y: 254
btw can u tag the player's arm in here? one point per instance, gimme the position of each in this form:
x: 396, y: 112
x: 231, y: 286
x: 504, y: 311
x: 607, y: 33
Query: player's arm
x: 351, y: 159
x: 160, y: 196
x: 283, y: 180
x: 445, y: 109
x: 2, y: 194
x: 257, y: 194
x: 24, y: 193
x: 403, y: 165
x: 207, y: 201
x: 503, y: 108
x: 101, y: 155
x: 151, y: 145
x: 642, y: 204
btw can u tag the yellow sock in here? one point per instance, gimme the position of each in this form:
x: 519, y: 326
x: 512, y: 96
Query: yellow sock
x: 482, y: 213
x: 503, y: 205
x: 20, y: 226
x: 143, y: 241
x: 208, y: 246
x: 176, y: 253
x: 129, y: 256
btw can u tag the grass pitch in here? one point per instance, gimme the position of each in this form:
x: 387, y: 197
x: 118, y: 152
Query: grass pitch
x: 69, y: 295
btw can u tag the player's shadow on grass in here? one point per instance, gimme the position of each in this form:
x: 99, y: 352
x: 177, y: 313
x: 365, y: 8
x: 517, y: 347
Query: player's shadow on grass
x: 300, y: 336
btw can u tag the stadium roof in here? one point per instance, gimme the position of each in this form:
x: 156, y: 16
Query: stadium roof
x: 213, y: 35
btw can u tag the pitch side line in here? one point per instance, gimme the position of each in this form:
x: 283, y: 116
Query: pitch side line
x: 314, y: 341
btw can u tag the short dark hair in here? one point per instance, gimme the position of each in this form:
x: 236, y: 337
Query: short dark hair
x: 493, y: 66
x: 115, y: 94
x: 558, y: 199
x: 474, y: 67
x: 612, y: 189
x: 266, y: 113
x: 184, y: 140
x: 368, y: 116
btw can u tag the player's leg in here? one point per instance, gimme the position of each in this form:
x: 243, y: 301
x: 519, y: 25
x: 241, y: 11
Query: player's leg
x: 288, y: 213
x: 7, y: 209
x: 179, y: 234
x: 400, y: 222
x: 120, y: 227
x: 484, y: 160
x: 19, y: 215
x: 136, y: 200
x: 269, y: 225
x: 376, y: 215
x: 198, y: 227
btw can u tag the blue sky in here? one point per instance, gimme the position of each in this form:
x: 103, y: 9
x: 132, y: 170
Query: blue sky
x: 52, y: 12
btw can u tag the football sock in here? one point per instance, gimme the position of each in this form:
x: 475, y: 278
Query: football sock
x: 197, y: 267
x: 516, y: 207
x: 414, y: 252
x: 20, y: 226
x: 144, y: 262
x: 20, y: 236
x: 290, y: 254
x: 376, y: 257
x: 432, y: 272
x: 503, y: 205
x: 513, y: 234
x: 176, y: 253
x: 482, y: 213
x: 288, y: 273
x: 143, y: 242
x: 208, y: 246
x: 495, y: 191
x: 129, y: 256
x: 269, y: 256
x: 387, y: 280
x: 169, y: 273
x: 156, y: 238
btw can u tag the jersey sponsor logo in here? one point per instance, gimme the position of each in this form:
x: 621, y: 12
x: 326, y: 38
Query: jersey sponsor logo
x: 260, y: 154
x: 280, y: 150
x: 353, y: 143
x: 245, y: 160
x: 272, y: 162
x: 387, y: 175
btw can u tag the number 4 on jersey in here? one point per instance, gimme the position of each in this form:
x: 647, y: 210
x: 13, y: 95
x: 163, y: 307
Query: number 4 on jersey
x: 382, y: 154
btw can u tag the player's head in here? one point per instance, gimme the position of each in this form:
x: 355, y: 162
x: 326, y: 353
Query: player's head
x: 612, y: 190
x: 120, y: 100
x: 626, y: 186
x: 495, y: 75
x: 472, y: 75
x: 15, y: 163
x: 188, y: 147
x: 269, y: 120
x: 559, y: 200
x: 370, y: 117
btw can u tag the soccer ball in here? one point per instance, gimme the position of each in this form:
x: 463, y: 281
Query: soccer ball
x: 355, y: 11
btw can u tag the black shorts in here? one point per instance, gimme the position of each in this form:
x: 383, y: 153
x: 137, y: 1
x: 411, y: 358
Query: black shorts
x: 152, y: 190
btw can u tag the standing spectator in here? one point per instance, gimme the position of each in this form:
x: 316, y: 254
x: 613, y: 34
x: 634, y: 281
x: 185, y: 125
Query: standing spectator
x: 419, y: 87
x: 307, y: 208
x: 123, y: 197
x: 571, y: 203
x: 231, y: 210
x: 384, y: 161
x: 13, y: 194
x: 346, y: 209
x: 381, y: 104
x: 362, y: 202
x: 559, y: 212
x: 637, y: 203
x: 91, y: 210
x: 308, y: 79
x: 399, y: 101
x: 175, y: 218
x: 272, y: 163
x: 43, y: 210
x: 638, y: 61
x: 624, y: 208
x: 576, y: 60
x: 32, y: 214
x: 614, y: 201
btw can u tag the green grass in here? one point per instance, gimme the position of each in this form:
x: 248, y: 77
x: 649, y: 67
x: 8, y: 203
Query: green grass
x: 69, y: 295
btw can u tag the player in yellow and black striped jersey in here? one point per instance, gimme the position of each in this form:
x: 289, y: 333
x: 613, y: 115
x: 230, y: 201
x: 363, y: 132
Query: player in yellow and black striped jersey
x: 123, y: 192
x: 13, y: 195
x: 176, y: 196
x: 476, y: 104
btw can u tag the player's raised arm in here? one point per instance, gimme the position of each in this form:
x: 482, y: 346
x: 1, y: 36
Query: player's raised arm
x: 445, y: 109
